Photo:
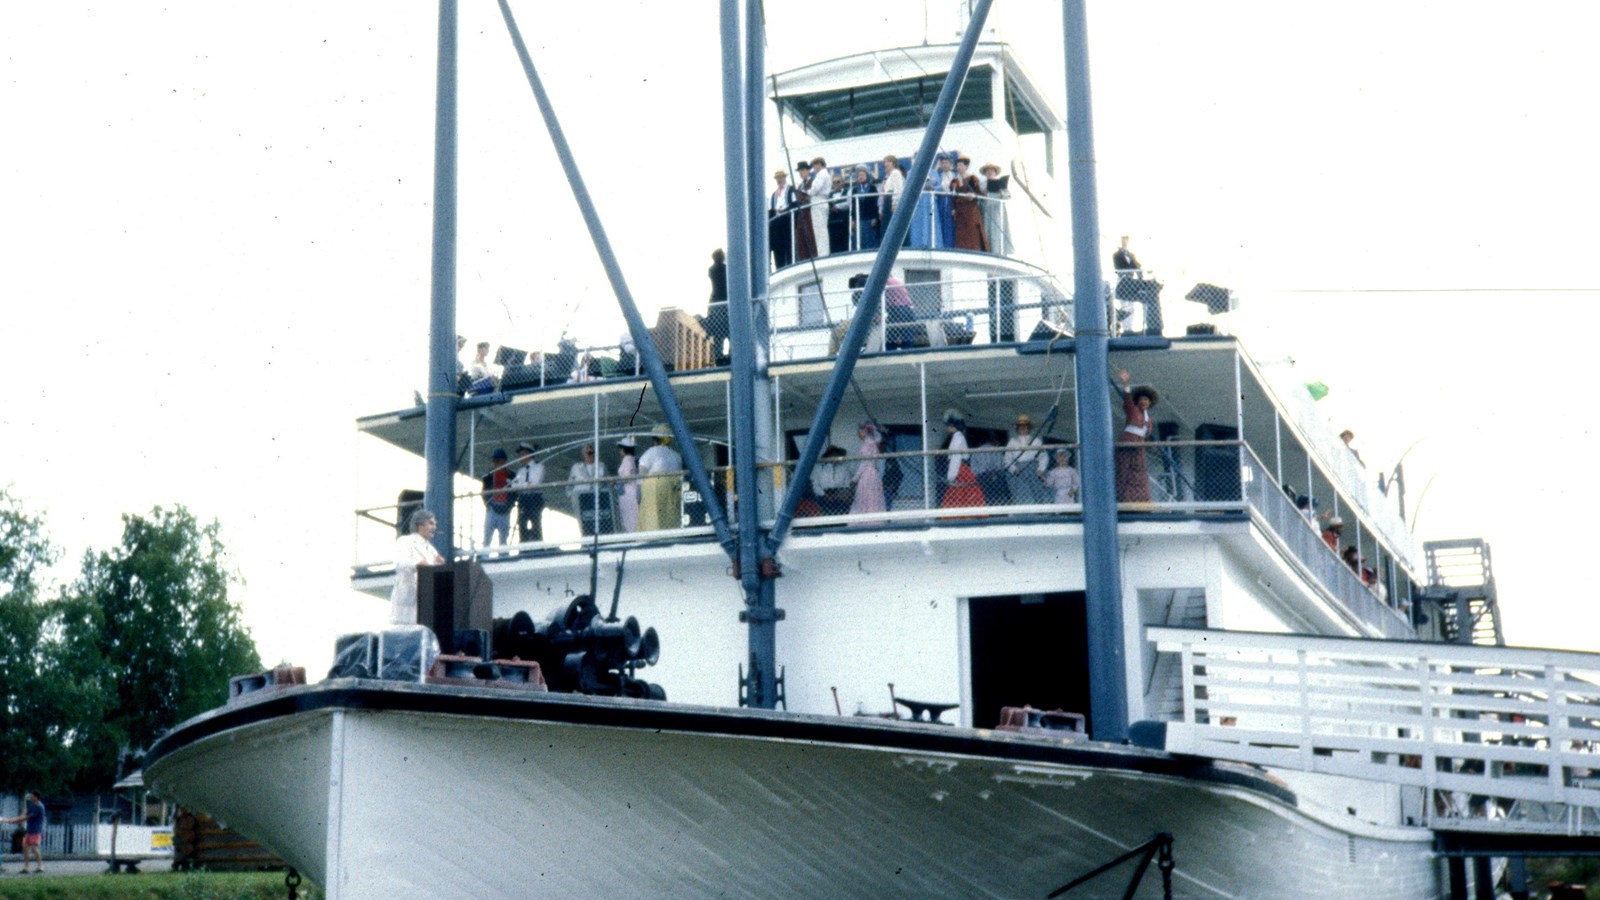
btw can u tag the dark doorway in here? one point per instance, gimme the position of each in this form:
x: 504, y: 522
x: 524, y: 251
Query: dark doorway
x: 1030, y: 649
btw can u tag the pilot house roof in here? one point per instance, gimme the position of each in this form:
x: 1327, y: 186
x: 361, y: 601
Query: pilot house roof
x: 895, y: 90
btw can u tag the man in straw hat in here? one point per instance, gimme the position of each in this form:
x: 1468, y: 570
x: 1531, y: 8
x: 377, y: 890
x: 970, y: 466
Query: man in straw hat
x: 661, y: 491
x: 1025, y: 465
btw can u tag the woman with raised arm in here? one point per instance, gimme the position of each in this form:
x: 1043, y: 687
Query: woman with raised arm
x: 1133, y: 477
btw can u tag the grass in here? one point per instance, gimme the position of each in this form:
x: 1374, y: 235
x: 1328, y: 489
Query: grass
x: 154, y: 886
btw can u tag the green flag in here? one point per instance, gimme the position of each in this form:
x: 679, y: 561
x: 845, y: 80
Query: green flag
x: 1318, y: 389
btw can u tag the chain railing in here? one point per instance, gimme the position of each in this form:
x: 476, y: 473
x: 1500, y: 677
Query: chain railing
x: 809, y: 323
x: 854, y: 221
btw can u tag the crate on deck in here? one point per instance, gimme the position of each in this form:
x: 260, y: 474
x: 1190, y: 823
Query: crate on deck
x: 680, y: 340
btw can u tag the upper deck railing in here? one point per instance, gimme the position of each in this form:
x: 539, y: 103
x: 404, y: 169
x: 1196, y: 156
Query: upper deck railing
x: 943, y: 220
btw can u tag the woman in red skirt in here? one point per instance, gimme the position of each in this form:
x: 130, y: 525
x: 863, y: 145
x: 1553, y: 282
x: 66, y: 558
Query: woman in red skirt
x: 962, y: 489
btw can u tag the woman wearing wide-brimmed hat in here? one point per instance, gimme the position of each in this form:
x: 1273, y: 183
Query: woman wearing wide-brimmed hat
x: 1133, y: 478
x: 962, y: 487
x: 628, y: 491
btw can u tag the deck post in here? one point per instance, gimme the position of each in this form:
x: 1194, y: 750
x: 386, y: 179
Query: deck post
x: 759, y: 612
x: 439, y: 441
x: 1108, y: 676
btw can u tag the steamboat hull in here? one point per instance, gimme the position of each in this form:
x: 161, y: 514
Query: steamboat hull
x: 375, y: 789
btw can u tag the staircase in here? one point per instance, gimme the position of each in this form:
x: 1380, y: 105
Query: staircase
x: 1501, y: 740
x: 1461, y: 585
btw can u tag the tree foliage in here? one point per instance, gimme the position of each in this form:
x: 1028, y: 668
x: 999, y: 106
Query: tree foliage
x: 143, y: 639
x: 150, y: 624
x: 40, y: 703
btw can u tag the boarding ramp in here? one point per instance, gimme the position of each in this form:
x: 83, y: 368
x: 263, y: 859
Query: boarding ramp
x: 1499, y: 739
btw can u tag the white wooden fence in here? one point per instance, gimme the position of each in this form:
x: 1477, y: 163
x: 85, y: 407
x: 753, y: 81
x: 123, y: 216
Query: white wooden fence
x: 1499, y: 738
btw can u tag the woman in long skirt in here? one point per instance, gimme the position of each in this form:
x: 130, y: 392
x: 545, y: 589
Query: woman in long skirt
x: 962, y: 485
x: 628, y: 491
x: 1133, y: 478
x: 869, y: 475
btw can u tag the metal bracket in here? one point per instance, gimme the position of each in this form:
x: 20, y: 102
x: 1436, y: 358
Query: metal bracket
x: 761, y: 614
x: 1158, y: 846
x: 747, y: 686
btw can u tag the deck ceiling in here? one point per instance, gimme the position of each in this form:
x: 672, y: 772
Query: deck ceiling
x: 990, y: 385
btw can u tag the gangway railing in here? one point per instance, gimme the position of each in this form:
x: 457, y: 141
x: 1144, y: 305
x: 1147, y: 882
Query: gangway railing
x: 1497, y: 738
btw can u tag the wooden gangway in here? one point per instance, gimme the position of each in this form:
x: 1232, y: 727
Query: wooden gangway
x: 1499, y: 739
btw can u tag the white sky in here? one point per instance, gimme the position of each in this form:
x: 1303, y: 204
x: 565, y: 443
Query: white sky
x: 216, y: 223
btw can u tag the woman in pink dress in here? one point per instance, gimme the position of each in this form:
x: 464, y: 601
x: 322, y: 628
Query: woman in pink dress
x: 869, y: 475
x: 628, y: 491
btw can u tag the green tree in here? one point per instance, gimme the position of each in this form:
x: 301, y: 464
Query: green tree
x: 152, y: 623
x: 41, y: 703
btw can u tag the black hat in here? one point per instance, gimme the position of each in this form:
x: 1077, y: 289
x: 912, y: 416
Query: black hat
x: 498, y: 454
x: 803, y: 164
x: 1145, y: 390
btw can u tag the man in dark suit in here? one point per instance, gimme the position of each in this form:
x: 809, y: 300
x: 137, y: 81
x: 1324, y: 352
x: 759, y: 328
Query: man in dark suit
x: 1134, y: 286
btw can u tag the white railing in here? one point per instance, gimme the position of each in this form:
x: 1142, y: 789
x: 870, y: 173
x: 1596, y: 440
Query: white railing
x: 1495, y: 737
x: 808, y: 323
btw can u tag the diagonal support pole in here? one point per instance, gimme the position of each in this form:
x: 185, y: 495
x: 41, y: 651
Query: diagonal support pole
x: 872, y: 294
x: 643, y: 343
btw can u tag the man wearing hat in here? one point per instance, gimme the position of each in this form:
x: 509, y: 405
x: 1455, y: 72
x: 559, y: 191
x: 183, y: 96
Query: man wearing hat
x: 497, y: 500
x: 661, y: 491
x: 805, y: 236
x: 819, y: 187
x: 530, y: 499
x: 779, y: 231
x: 1025, y: 465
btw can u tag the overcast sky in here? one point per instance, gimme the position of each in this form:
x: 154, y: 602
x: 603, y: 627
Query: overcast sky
x: 217, y: 220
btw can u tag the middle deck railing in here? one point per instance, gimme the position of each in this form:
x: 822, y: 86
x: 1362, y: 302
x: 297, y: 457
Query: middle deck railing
x: 853, y: 492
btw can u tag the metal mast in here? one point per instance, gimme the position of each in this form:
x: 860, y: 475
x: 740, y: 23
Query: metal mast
x: 1108, y: 692
x: 440, y: 423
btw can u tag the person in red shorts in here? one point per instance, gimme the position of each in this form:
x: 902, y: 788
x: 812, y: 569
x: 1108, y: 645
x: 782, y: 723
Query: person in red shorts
x: 33, y: 832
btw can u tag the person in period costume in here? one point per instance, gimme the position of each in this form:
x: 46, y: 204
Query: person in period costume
x: 780, y: 221
x: 590, y: 501
x: 967, y: 215
x: 994, y: 209
x: 839, y: 212
x: 661, y: 488
x: 820, y: 189
x: 894, y: 184
x: 923, y: 219
x: 628, y: 491
x: 961, y: 487
x: 1133, y: 478
x: 413, y: 550
x: 1025, y: 463
x: 497, y: 501
x: 864, y: 210
x: 716, y: 321
x: 530, y: 499
x: 805, y: 236
x: 944, y: 176
x: 1063, y: 479
x: 869, y: 497
x: 901, y: 314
